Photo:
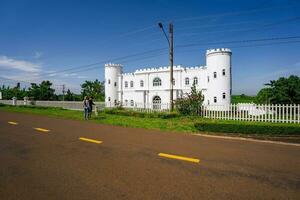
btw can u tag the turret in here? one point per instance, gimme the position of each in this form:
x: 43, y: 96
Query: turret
x: 218, y: 63
x: 112, y: 74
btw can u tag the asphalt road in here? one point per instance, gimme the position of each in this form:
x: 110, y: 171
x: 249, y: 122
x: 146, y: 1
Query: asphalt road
x: 125, y: 165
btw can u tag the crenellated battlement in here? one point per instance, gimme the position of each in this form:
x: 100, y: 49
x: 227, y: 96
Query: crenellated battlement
x: 113, y: 65
x: 166, y: 68
x: 219, y: 50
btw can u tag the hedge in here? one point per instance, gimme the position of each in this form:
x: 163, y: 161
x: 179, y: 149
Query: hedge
x: 265, y: 129
x: 127, y: 112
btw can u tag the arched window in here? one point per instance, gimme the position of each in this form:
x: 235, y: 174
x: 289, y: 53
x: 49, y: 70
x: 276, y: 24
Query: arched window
x: 208, y: 79
x: 131, y: 83
x: 224, y: 95
x: 131, y: 103
x: 215, y: 99
x: 195, y: 81
x: 108, y: 98
x: 141, y: 83
x: 108, y: 81
x: 126, y: 84
x: 156, y: 103
x: 156, y: 81
x: 115, y: 84
x: 215, y: 74
x: 223, y: 72
x: 187, y: 81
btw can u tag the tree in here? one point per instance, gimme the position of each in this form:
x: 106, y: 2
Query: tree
x: 69, y: 96
x: 264, y: 96
x: 43, y: 91
x: 9, y: 93
x: 93, y: 89
x: 191, y: 104
x: 281, y: 91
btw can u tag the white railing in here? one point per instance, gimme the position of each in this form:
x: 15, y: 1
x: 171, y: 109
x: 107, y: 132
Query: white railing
x: 142, y: 107
x: 254, y: 112
x: 71, y: 105
x: 244, y: 112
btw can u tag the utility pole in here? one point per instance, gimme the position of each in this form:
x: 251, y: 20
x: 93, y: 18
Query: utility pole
x: 171, y: 64
x: 171, y: 56
x: 63, y: 91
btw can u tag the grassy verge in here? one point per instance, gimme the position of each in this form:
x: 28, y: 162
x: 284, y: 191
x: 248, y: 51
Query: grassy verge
x: 168, y: 122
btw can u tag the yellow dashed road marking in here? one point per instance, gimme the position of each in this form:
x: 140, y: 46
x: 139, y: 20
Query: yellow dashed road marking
x: 90, y: 140
x: 42, y: 129
x: 179, y: 157
x: 13, y: 123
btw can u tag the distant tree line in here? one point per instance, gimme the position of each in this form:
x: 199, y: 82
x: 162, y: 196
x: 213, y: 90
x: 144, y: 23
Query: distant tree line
x: 45, y: 91
x: 281, y: 91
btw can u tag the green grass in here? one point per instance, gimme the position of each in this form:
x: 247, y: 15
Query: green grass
x: 167, y: 122
x: 242, y: 99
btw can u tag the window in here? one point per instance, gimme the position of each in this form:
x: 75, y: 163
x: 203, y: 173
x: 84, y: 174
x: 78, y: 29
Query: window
x: 207, y: 102
x: 208, y: 79
x: 115, y: 84
x: 142, y: 83
x: 131, y: 83
x: 224, y: 95
x: 215, y: 74
x: 156, y: 103
x: 108, y: 81
x: 131, y: 103
x: 223, y: 72
x: 126, y: 102
x: 156, y: 81
x: 215, y: 99
x: 126, y: 84
x: 108, y: 98
x: 173, y: 81
x: 187, y: 81
x: 195, y: 81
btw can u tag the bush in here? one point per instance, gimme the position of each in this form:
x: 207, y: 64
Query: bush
x: 265, y: 129
x: 191, y: 104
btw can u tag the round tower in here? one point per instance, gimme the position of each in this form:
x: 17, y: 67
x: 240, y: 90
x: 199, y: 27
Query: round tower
x: 112, y: 80
x: 218, y: 63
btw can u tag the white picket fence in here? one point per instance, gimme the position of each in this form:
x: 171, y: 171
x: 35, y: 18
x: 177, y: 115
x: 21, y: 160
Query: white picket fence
x: 244, y: 112
x: 143, y: 107
x: 253, y: 112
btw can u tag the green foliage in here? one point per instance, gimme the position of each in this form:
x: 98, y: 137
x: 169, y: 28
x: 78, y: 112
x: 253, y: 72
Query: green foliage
x: 281, y: 91
x: 43, y: 91
x: 191, y: 104
x: 93, y: 89
x: 235, y: 99
x: 128, y: 112
x: 9, y: 93
x: 242, y: 128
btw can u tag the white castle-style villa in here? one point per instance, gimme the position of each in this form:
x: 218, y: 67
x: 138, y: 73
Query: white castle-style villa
x: 150, y: 87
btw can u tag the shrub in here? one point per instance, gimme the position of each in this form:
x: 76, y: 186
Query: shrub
x: 127, y: 112
x: 191, y: 104
x: 265, y: 129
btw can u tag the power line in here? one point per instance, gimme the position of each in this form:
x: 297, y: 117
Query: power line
x: 238, y: 41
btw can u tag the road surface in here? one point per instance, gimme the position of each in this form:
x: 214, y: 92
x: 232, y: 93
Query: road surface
x: 48, y: 158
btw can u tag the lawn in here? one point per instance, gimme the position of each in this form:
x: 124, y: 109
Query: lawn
x: 168, y: 122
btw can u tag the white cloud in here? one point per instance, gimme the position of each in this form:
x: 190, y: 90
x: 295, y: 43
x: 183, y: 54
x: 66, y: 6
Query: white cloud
x: 81, y: 77
x: 21, y: 65
x: 37, y: 55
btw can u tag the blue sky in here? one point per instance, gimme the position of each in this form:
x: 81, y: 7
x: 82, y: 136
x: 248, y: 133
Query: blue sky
x: 38, y: 39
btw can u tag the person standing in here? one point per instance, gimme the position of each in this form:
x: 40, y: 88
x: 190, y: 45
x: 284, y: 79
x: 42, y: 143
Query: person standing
x: 86, y: 107
x: 91, y: 103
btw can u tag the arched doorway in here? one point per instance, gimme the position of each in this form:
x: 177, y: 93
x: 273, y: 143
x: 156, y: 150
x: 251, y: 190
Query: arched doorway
x: 156, y: 103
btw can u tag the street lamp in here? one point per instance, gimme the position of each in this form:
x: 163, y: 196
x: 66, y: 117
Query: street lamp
x: 170, y: 42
